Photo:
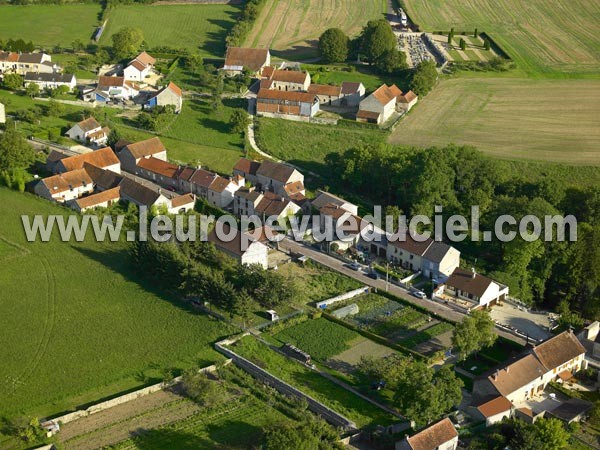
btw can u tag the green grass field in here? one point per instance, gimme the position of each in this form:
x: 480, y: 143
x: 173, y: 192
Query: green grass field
x: 49, y: 25
x: 320, y: 338
x: 310, y: 382
x: 291, y: 28
x: 553, y: 37
x: 194, y: 27
x: 78, y: 326
x: 308, y: 144
x: 545, y: 120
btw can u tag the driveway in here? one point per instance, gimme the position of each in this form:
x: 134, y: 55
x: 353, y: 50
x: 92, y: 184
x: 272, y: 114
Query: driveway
x: 338, y: 265
x: 532, y: 324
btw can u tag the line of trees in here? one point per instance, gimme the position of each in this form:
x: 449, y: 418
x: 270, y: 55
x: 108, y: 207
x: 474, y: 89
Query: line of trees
x: 415, y: 180
x: 197, y: 270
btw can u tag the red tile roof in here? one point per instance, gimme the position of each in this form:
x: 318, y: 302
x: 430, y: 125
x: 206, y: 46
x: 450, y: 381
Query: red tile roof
x: 148, y: 147
x: 89, y: 124
x: 433, y: 436
x: 291, y: 96
x: 385, y: 94
x: 65, y: 181
x: 105, y: 81
x: 158, y: 166
x: 364, y: 114
x: 145, y: 58
x: 495, y: 406
x: 470, y: 282
x: 251, y: 58
x: 101, y: 197
x: 247, y: 166
x: 184, y: 199
x: 289, y: 76
x: 559, y: 350
x: 104, y: 157
x: 325, y: 89
x: 409, y: 244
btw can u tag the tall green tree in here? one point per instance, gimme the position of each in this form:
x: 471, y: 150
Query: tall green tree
x: 424, y: 78
x: 543, y: 434
x: 391, y: 61
x: 127, y: 42
x: 334, y: 45
x: 239, y: 121
x: 377, y: 38
x: 15, y: 152
x: 12, y: 81
x: 423, y: 394
x: 32, y: 90
x: 473, y: 333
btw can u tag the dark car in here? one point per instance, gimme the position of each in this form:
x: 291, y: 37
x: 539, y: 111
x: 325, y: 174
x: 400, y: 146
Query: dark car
x: 373, y: 275
x: 170, y: 188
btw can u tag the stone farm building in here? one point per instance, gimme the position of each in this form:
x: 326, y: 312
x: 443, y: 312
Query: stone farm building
x: 132, y: 153
x: 113, y: 88
x: 282, y: 179
x: 103, y: 158
x: 286, y: 104
x: 253, y: 59
x: 383, y: 103
x: 286, y: 80
x: 244, y: 248
x: 169, y: 95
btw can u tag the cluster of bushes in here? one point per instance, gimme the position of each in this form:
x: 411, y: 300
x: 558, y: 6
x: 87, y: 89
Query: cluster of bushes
x: 198, y: 271
x: 495, y: 64
x: 14, y: 179
x: 157, y: 119
x: 17, y: 45
x: 244, y: 23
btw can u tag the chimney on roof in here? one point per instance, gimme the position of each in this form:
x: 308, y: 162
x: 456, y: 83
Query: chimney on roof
x: 473, y: 273
x: 508, y: 369
x: 496, y: 375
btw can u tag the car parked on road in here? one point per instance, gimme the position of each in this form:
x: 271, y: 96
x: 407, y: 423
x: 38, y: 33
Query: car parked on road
x: 373, y: 275
x: 419, y: 294
x: 353, y: 266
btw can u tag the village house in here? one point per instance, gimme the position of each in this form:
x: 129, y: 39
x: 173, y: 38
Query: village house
x: 64, y: 187
x: 103, y: 158
x: 472, y: 290
x: 255, y: 252
x: 89, y: 131
x: 406, y: 101
x: 289, y: 80
x: 169, y: 95
x: 222, y: 190
x: 182, y: 204
x: 131, y: 154
x: 141, y: 195
x: 275, y: 207
x: 348, y: 228
x: 440, y: 436
x: 245, y: 201
x: 590, y: 339
x: 253, y: 59
x: 51, y: 80
x: 494, y: 410
x: 217, y: 190
x: 327, y: 94
x: 434, y: 259
x: 103, y: 179
x: 21, y: 63
x: 286, y: 105
x: 113, y: 88
x: 325, y: 198
x: 352, y: 93
x: 139, y: 68
x: 100, y: 199
x: 160, y: 172
x: 380, y: 105
x: 274, y: 177
x: 2, y: 114
x: 555, y: 359
x: 247, y: 169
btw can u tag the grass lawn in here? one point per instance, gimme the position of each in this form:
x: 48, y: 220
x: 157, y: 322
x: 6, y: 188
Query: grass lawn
x: 558, y: 37
x: 291, y: 28
x: 49, y: 25
x: 81, y: 65
x: 318, y: 283
x: 337, y: 74
x: 307, y: 144
x: 78, y: 326
x: 310, y: 382
x: 320, y: 338
x: 544, y: 120
x: 195, y: 27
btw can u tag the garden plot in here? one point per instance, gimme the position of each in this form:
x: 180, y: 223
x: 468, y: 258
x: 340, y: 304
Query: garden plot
x: 399, y: 323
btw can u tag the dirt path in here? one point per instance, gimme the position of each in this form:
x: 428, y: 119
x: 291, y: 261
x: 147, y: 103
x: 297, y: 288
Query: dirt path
x: 121, y: 422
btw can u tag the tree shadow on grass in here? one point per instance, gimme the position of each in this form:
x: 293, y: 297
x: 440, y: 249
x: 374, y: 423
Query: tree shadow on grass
x: 235, y: 433
x: 118, y: 260
x: 145, y: 439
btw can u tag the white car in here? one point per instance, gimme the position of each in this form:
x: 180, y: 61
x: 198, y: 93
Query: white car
x: 419, y: 294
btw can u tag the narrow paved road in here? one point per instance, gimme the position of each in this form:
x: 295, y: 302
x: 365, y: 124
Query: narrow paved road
x: 337, y: 265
